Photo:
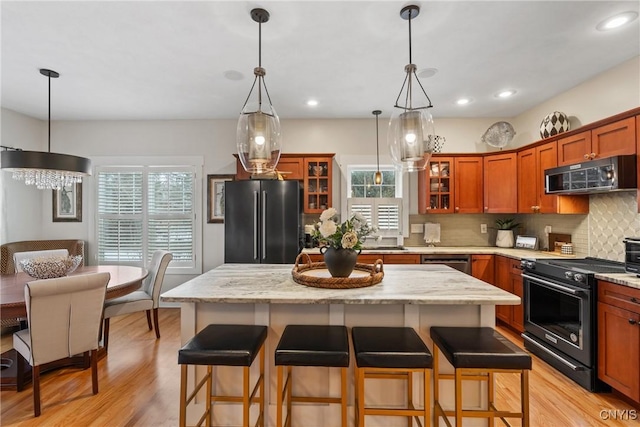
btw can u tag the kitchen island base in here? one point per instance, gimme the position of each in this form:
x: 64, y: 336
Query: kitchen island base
x: 325, y: 381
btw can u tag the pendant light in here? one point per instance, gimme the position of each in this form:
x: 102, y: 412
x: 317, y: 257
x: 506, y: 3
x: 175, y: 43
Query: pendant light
x: 377, y: 179
x: 45, y: 170
x: 411, y: 129
x: 258, y: 134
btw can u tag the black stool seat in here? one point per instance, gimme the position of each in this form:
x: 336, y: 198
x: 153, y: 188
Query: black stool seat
x: 390, y: 347
x: 479, y: 347
x: 226, y: 345
x: 313, y: 345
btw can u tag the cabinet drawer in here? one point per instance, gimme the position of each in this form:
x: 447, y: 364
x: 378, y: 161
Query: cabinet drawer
x: 516, y: 267
x: 619, y: 296
x: 401, y: 259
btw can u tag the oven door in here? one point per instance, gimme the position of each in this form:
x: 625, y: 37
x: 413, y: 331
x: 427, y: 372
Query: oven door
x: 560, y: 315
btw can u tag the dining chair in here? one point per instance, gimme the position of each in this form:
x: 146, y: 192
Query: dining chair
x: 146, y: 299
x: 64, y: 316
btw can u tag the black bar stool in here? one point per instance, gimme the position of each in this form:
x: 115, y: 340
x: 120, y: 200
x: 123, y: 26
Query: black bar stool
x: 477, y: 353
x: 311, y: 345
x: 391, y: 353
x: 224, y: 345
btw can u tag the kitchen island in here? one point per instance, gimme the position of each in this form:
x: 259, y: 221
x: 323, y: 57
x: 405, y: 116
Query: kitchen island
x: 418, y: 296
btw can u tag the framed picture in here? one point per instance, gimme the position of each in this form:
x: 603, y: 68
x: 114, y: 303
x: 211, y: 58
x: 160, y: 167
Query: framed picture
x: 67, y: 204
x: 215, y: 197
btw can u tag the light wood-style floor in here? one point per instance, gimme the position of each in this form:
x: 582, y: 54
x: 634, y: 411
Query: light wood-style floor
x: 139, y: 383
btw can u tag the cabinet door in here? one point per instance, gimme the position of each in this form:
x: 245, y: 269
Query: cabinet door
x: 482, y: 268
x: 546, y: 158
x: 501, y: 183
x: 503, y: 281
x: 468, y: 194
x: 401, y: 258
x: 439, y: 185
x: 317, y: 184
x: 614, y: 139
x: 619, y: 349
x: 527, y: 181
x: 369, y: 258
x: 573, y: 149
x: 292, y: 168
x: 517, y: 311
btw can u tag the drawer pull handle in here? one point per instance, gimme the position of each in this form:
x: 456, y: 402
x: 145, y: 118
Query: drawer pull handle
x: 634, y: 299
x: 632, y: 322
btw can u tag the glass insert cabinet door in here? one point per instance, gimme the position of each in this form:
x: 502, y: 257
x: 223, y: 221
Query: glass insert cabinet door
x: 317, y: 184
x: 439, y: 185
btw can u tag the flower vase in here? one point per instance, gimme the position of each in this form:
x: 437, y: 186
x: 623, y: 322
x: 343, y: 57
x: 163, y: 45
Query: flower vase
x: 504, y: 239
x: 340, y: 262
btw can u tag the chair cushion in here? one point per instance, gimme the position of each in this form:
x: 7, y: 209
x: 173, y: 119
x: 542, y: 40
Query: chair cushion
x: 390, y: 347
x: 313, y: 345
x: 130, y: 303
x: 228, y: 345
x: 468, y: 347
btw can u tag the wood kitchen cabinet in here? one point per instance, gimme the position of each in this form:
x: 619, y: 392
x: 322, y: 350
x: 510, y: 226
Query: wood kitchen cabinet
x: 500, y: 183
x: 604, y: 141
x: 517, y: 286
x: 482, y: 267
x: 290, y: 166
x: 370, y: 258
x: 508, y: 274
x: 317, y: 183
x: 451, y: 185
x: 619, y: 338
x: 532, y: 163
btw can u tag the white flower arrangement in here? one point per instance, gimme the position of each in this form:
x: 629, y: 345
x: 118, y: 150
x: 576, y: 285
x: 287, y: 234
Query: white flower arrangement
x: 349, y: 234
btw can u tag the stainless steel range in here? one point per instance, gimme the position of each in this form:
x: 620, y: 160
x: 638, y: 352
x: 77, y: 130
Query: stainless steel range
x: 560, y: 314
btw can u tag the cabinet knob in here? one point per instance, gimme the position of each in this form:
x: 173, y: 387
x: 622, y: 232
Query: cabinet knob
x: 592, y: 155
x: 587, y: 157
x: 632, y: 322
x: 457, y: 208
x: 634, y: 299
x: 486, y: 208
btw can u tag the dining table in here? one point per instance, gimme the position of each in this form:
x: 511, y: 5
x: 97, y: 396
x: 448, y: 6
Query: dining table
x: 124, y: 280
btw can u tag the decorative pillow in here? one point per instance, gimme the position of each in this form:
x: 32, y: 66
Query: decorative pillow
x: 554, y: 124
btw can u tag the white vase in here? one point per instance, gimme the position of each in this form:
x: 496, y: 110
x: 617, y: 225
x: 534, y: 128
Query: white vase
x: 504, y: 239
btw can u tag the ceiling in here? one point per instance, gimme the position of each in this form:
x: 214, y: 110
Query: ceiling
x: 154, y: 60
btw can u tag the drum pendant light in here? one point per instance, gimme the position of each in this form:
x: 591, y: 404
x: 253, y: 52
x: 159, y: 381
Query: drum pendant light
x: 45, y: 170
x: 258, y: 134
x: 411, y: 129
x: 377, y: 180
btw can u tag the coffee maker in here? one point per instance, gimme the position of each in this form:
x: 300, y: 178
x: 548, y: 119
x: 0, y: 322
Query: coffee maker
x: 308, y: 236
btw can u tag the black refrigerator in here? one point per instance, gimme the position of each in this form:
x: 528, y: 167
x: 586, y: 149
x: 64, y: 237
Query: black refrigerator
x: 262, y: 221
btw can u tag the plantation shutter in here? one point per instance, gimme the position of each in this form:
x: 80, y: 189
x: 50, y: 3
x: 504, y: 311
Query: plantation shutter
x: 382, y: 213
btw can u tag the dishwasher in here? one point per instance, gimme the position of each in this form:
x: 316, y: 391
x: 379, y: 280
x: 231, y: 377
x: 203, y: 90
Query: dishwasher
x: 458, y: 261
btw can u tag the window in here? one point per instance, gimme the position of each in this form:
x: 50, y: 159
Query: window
x: 362, y: 185
x: 141, y: 209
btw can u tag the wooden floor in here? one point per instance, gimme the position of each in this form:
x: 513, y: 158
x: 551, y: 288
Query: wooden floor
x: 139, y: 383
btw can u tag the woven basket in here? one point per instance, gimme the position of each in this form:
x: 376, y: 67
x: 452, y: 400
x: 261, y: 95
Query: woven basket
x: 367, y: 275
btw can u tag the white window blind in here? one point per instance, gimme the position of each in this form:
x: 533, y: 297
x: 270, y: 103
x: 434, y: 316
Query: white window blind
x: 383, y: 213
x: 143, y: 209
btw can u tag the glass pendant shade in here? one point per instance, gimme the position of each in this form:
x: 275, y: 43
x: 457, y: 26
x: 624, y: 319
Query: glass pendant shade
x: 258, y: 140
x: 409, y: 136
x: 377, y: 179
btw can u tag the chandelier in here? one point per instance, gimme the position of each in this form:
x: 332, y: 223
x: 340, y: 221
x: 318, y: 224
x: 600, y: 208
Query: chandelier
x: 45, y: 170
x: 411, y: 130
x: 258, y: 133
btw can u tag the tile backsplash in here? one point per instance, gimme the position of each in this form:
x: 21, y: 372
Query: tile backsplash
x: 612, y: 217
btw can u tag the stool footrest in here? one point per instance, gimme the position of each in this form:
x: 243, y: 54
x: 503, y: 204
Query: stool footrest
x: 313, y: 399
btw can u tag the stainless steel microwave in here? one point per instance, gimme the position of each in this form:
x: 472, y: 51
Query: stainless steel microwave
x: 593, y: 176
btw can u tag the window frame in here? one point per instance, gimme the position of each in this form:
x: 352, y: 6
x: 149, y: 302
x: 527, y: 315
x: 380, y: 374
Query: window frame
x: 191, y: 164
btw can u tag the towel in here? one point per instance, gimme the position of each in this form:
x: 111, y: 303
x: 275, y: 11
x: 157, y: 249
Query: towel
x: 432, y: 232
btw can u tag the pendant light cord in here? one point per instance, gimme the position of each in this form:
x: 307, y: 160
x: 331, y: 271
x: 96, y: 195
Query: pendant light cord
x: 410, y: 61
x: 49, y: 137
x: 377, y: 145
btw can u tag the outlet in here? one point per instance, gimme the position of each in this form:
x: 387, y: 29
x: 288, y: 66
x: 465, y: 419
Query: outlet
x: 483, y: 228
x: 547, y: 229
x: 417, y: 228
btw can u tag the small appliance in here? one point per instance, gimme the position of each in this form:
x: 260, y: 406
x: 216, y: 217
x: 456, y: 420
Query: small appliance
x: 632, y: 255
x: 593, y: 176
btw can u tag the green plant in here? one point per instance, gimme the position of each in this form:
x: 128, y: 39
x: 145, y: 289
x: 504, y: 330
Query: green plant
x: 506, y: 224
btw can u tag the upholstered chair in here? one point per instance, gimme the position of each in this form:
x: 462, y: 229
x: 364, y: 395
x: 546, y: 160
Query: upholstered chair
x: 146, y: 299
x: 64, y: 316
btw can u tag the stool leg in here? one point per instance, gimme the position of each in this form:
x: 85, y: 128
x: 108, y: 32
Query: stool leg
x: 245, y: 396
x: 360, y: 386
x: 279, y: 400
x: 261, y: 379
x: 410, y: 396
x: 458, y: 393
x: 289, y: 393
x: 490, y: 402
x: 343, y: 395
x: 209, y: 394
x: 183, y: 395
x: 436, y: 385
x: 524, y: 397
x: 427, y: 398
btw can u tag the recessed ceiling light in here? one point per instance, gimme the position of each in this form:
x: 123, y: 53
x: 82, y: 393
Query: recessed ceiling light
x: 505, y: 93
x: 312, y: 103
x: 425, y: 73
x: 463, y: 101
x: 233, y: 75
x: 616, y: 21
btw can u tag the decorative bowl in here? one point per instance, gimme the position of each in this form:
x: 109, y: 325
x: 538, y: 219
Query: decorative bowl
x: 50, y: 267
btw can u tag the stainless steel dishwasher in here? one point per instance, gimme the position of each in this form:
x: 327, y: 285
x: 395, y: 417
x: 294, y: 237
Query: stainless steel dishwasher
x: 457, y: 261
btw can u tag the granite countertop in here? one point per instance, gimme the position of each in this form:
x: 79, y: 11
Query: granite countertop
x: 402, y: 284
x: 625, y: 279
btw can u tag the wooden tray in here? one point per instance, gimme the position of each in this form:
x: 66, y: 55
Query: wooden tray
x: 317, y: 275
